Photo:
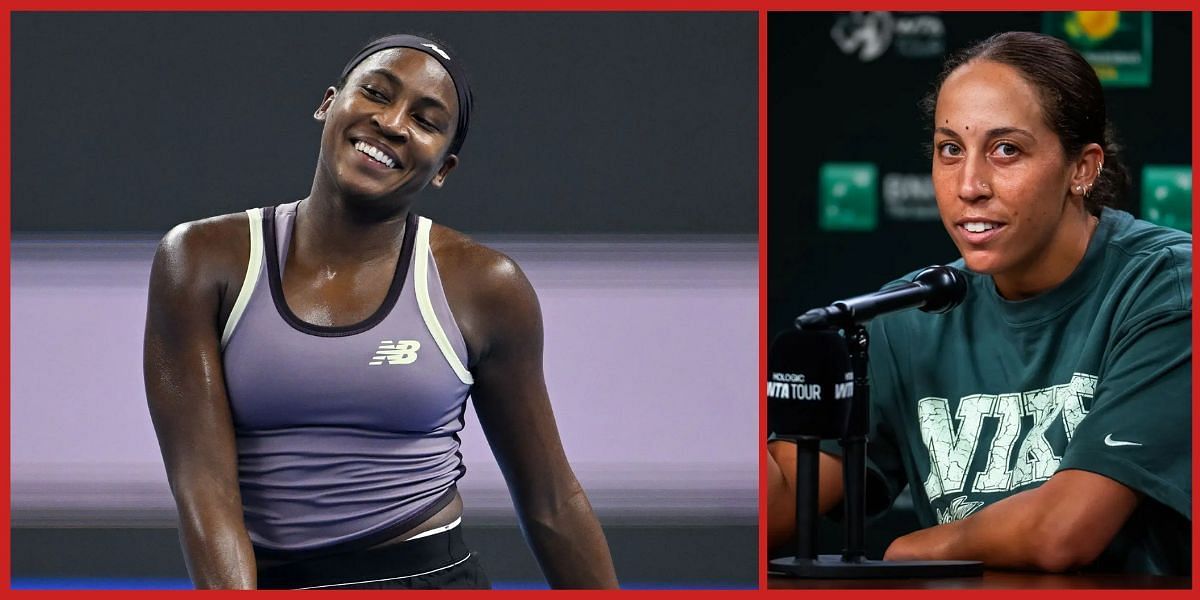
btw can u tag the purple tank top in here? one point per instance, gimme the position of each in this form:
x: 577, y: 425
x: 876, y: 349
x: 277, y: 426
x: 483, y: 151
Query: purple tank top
x: 345, y: 435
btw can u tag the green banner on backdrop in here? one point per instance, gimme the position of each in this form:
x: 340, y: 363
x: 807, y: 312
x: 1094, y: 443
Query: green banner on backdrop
x: 849, y: 196
x: 1116, y: 43
x: 1167, y: 195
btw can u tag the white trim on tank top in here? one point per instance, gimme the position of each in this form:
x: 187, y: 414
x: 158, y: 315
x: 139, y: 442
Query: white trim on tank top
x: 334, y: 585
x: 436, y: 530
x: 421, y: 281
x: 252, y: 271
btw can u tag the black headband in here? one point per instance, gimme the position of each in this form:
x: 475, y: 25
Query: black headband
x: 461, y: 88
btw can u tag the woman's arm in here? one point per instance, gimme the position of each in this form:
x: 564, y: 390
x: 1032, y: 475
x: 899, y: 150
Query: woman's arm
x: 514, y: 409
x: 781, y: 489
x: 185, y: 389
x: 1061, y: 525
x: 1071, y: 519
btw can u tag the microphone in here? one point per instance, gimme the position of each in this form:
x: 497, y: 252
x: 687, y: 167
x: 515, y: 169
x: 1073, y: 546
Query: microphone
x: 816, y: 390
x: 810, y: 387
x: 935, y: 289
x: 809, y: 384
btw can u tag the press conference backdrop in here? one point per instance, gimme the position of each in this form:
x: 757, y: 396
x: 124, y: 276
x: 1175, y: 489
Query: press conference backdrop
x: 612, y: 155
x: 851, y: 206
x: 850, y: 201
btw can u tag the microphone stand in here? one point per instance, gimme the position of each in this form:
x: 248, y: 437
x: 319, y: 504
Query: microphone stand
x: 854, y: 448
x: 807, y: 458
x: 853, y: 563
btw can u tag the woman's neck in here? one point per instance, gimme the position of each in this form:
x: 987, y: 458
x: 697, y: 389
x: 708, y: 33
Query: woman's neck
x: 336, y: 231
x: 1055, y: 264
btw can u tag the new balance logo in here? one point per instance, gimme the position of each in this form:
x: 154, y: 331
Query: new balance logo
x: 402, y: 352
x: 438, y: 50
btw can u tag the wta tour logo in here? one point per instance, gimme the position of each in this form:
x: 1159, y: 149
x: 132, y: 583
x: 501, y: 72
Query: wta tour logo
x: 792, y: 386
x: 869, y: 35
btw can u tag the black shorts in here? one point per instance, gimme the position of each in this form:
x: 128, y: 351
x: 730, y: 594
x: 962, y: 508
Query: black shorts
x: 440, y: 561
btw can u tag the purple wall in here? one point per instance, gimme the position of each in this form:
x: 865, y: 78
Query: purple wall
x: 651, y: 362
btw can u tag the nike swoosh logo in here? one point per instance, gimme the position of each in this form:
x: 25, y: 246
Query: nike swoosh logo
x: 1108, y: 441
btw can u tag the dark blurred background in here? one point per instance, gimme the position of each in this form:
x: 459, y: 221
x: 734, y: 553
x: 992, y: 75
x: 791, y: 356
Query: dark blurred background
x: 613, y: 155
x: 583, y: 123
x: 850, y: 201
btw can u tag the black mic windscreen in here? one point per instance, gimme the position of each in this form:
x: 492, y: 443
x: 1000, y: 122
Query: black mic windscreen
x: 810, y: 384
x: 948, y: 287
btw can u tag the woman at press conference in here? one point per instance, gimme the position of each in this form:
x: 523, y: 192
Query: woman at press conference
x: 1044, y: 424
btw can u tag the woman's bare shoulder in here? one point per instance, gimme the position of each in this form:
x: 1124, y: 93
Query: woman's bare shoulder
x: 206, y: 250
x: 460, y: 256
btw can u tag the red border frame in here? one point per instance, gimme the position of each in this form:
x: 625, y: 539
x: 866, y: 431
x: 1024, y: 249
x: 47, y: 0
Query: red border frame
x: 5, y: 275
x: 1018, y: 5
x: 584, y: 5
x: 762, y: 297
